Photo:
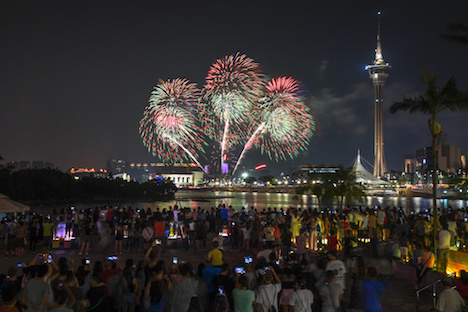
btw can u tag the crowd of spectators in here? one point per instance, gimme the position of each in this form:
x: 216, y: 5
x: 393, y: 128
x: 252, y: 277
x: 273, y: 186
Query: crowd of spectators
x: 291, y: 259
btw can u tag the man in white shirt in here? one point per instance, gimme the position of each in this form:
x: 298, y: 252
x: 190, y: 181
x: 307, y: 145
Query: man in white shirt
x: 338, y: 268
x: 266, y: 295
x: 443, y: 247
x: 302, y: 298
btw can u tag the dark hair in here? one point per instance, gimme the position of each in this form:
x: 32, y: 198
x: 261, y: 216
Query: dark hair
x: 301, y: 281
x: 129, y: 263
x: 184, y: 269
x: 8, y: 294
x: 156, y: 270
x: 215, y: 244
x: 330, y: 275
x: 224, y: 267
x: 41, y: 270
x: 243, y: 281
x: 372, y: 272
x: 81, y: 275
x: 201, y: 266
x: 97, y: 268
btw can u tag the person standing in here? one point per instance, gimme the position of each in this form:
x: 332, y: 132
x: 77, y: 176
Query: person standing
x: 338, y: 268
x: 443, y: 247
x: 313, y: 234
x: 148, y: 234
x: 425, y: 264
x: 301, y: 249
x: 267, y: 293
x: 183, y: 290
x: 38, y: 294
x: 215, y: 256
x: 331, y: 293
x: 244, y: 299
x: 372, y: 289
x: 47, y: 233
x: 302, y: 298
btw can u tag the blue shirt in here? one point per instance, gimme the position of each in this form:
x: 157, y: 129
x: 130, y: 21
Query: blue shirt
x: 372, y: 289
x: 208, y: 274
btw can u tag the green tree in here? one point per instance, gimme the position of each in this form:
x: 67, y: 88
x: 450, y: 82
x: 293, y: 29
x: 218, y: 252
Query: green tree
x: 345, y: 188
x: 434, y: 101
x: 323, y: 190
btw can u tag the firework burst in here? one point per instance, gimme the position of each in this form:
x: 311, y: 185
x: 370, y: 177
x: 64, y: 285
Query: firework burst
x: 233, y: 85
x: 284, y: 124
x: 168, y: 128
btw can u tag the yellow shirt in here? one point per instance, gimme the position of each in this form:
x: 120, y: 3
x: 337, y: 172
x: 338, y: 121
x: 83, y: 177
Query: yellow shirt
x: 216, y: 257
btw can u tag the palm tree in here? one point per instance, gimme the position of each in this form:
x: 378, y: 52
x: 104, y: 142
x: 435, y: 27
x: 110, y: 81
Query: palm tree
x: 459, y: 33
x: 432, y: 102
x: 323, y: 190
x: 345, y: 187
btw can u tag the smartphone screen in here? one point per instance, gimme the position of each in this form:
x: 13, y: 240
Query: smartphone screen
x: 174, y: 260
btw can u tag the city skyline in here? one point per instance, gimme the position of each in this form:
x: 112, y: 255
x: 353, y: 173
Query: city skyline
x: 75, y: 79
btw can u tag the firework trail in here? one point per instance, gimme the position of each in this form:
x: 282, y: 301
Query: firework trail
x: 285, y: 126
x: 233, y: 85
x: 168, y: 128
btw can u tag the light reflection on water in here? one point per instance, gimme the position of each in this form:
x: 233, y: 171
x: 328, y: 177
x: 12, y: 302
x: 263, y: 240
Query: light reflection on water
x: 209, y: 199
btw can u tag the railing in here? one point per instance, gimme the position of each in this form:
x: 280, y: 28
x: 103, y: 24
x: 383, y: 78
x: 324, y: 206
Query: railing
x: 434, y: 293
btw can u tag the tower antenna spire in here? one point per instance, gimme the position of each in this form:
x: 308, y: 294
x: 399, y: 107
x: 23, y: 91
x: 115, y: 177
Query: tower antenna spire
x: 378, y: 50
x: 378, y: 73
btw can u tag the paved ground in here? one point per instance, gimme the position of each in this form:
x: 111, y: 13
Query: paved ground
x: 399, y: 293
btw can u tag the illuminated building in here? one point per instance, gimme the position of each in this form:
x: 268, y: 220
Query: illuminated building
x: 78, y: 173
x: 378, y: 73
x: 116, y: 166
x: 449, y: 158
x: 182, y: 174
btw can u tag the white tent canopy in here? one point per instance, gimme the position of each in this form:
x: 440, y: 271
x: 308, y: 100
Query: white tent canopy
x: 365, y: 177
x: 8, y: 205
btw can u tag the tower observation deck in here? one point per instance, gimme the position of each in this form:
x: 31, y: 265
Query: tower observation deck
x: 378, y: 73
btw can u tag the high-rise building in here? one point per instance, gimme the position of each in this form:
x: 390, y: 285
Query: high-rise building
x: 449, y: 158
x: 378, y: 73
x: 116, y: 166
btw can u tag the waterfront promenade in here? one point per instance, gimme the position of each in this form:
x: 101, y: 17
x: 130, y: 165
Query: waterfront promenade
x: 399, y: 293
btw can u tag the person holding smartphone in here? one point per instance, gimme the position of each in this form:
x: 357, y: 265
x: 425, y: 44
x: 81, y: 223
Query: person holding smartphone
x: 268, y: 290
x: 244, y: 299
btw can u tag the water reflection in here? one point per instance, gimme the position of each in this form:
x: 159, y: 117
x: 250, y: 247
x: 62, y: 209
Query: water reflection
x: 209, y: 199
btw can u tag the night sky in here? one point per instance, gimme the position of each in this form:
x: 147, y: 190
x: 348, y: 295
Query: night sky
x: 75, y: 76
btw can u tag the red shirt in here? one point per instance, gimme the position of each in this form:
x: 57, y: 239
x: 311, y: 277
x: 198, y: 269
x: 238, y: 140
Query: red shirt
x: 332, y: 243
x: 109, y: 215
x: 159, y: 228
x: 109, y: 272
x: 276, y: 232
